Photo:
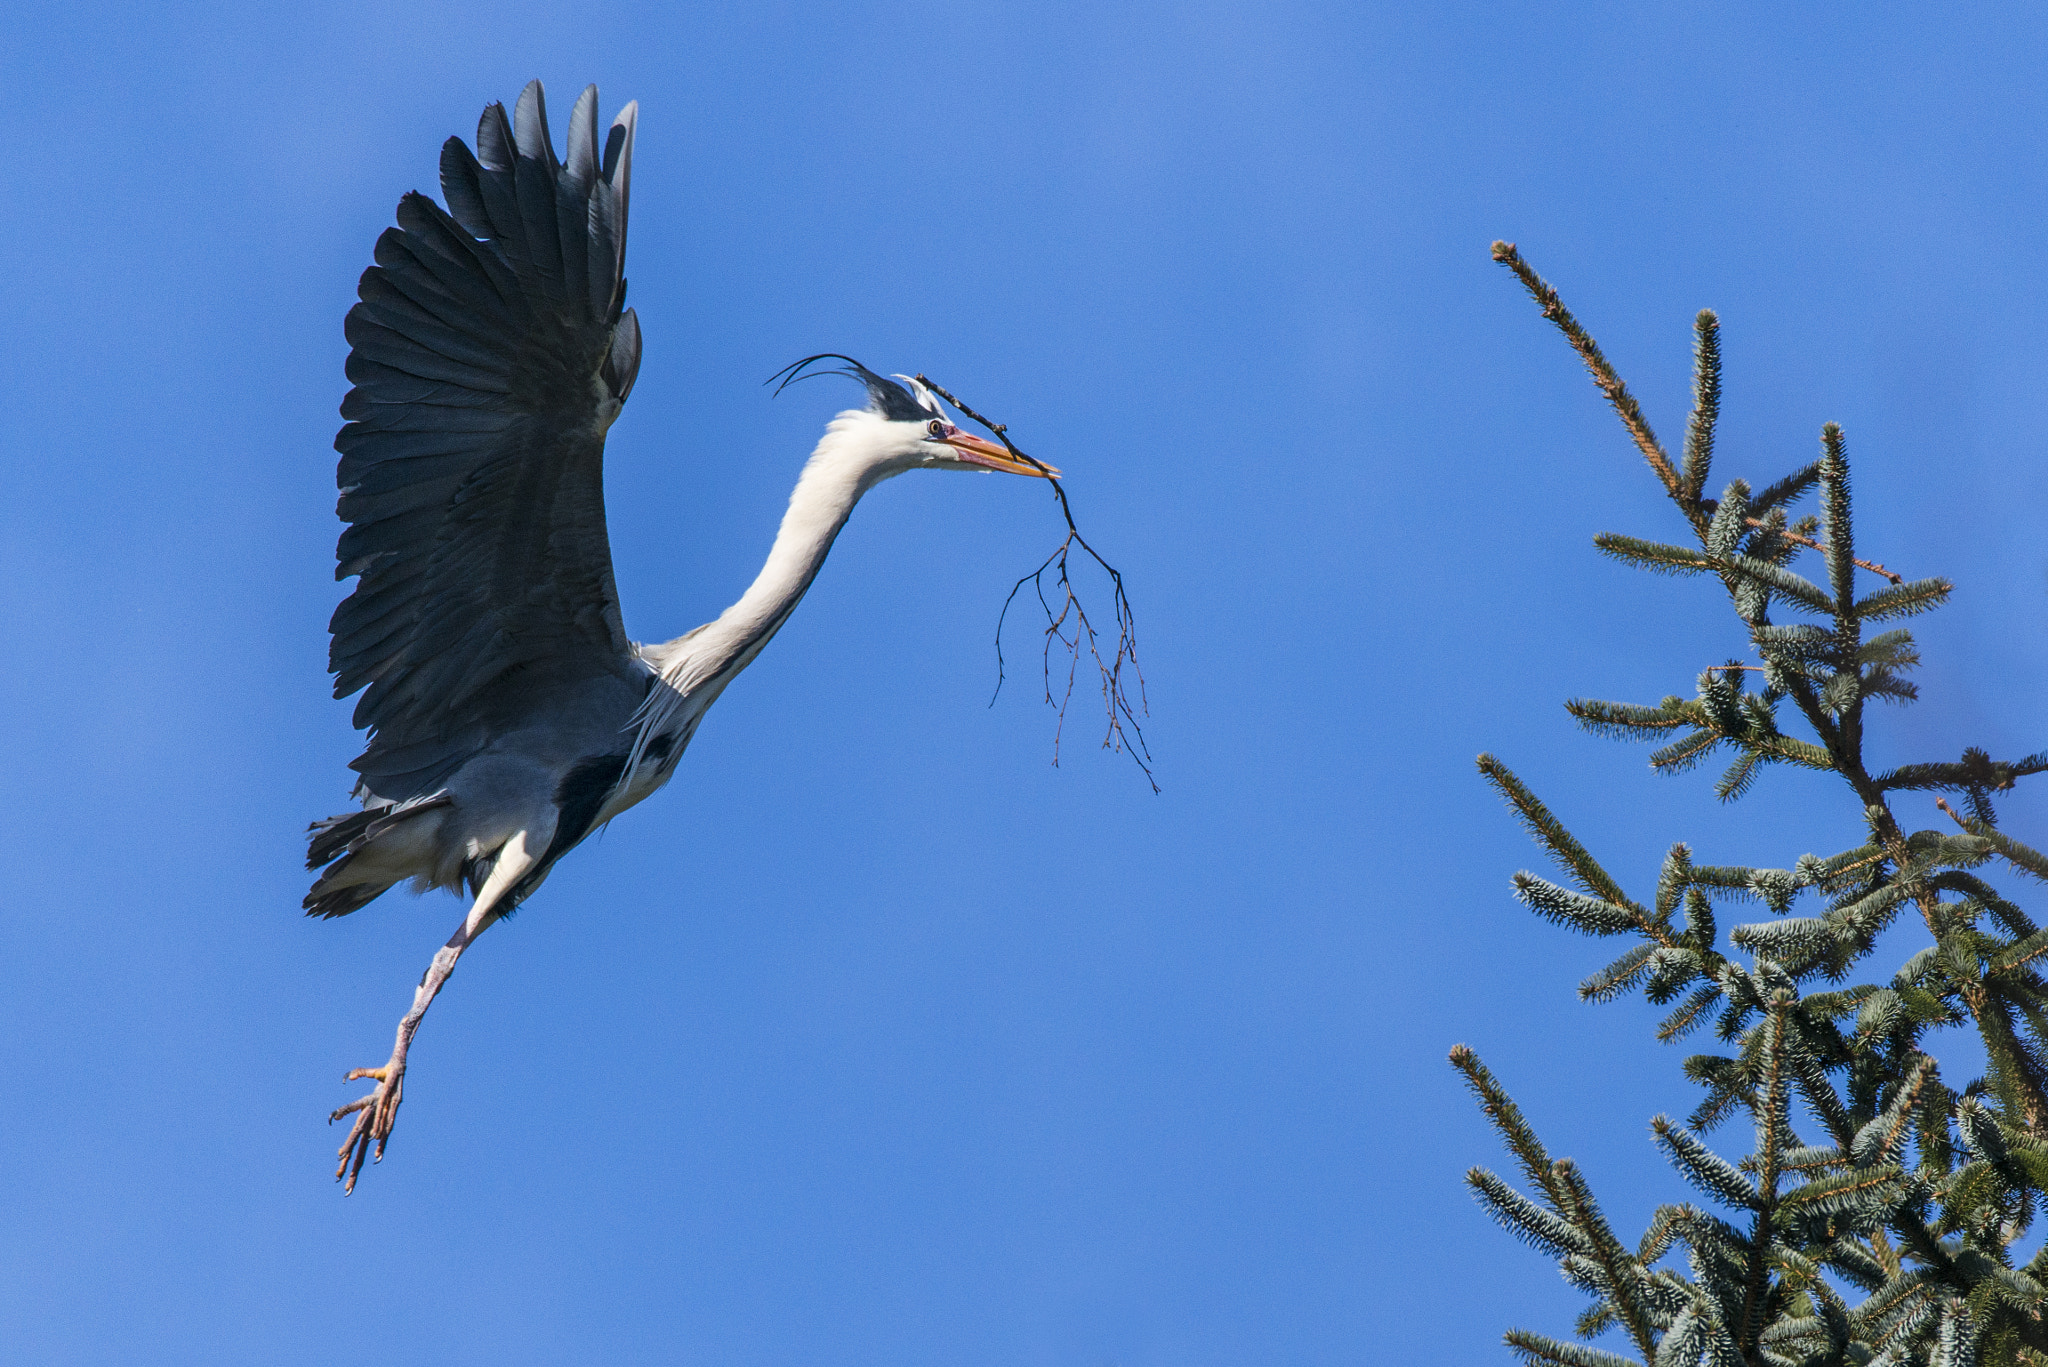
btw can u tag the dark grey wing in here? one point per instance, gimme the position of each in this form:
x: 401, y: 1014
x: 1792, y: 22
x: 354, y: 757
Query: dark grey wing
x: 491, y: 351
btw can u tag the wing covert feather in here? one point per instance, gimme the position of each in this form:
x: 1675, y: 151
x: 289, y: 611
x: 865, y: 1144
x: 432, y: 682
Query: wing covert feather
x: 490, y: 350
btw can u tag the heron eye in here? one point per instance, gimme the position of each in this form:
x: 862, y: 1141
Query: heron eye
x: 936, y: 428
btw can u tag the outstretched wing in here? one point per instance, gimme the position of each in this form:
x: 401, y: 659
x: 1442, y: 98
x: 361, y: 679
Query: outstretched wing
x: 491, y: 351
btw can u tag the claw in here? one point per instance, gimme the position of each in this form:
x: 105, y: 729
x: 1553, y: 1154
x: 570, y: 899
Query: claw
x: 351, y: 1108
x: 374, y: 1115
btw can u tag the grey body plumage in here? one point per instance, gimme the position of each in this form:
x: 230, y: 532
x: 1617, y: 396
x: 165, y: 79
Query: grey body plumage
x: 508, y: 713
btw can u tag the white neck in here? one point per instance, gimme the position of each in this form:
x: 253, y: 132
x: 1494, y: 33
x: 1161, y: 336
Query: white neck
x: 847, y: 463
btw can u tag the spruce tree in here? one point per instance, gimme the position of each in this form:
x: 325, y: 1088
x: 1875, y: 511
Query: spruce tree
x: 1880, y: 1214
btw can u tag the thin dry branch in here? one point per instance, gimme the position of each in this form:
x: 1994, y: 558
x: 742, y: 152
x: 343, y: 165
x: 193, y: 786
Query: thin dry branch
x: 1068, y: 623
x: 1610, y: 384
x: 1809, y: 542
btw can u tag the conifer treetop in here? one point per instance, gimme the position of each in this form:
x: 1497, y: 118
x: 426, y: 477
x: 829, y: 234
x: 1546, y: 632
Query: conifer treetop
x: 1878, y: 1214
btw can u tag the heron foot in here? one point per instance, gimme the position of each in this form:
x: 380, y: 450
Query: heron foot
x: 373, y: 1114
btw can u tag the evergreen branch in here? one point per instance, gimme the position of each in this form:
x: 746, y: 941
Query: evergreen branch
x: 1672, y: 969
x: 1937, y: 775
x: 1538, y: 1351
x: 1699, y: 921
x: 2010, y: 918
x: 1731, y: 878
x: 1956, y: 1340
x: 1800, y: 643
x: 1725, y: 527
x: 1884, y: 1138
x: 1523, y: 1218
x: 1507, y: 1119
x: 1706, y: 403
x: 1685, y: 754
x: 1654, y: 556
x: 1619, y: 976
x: 1714, y: 1175
x: 1667, y: 1227
x: 1894, y: 648
x: 2017, y: 954
x: 1780, y: 580
x: 1787, y: 490
x: 1806, y: 1161
x: 1736, y: 779
x: 1772, y: 1120
x: 1627, y: 721
x: 1610, y: 384
x: 1811, y: 1076
x: 1550, y: 833
x: 1795, y: 751
x: 1856, y: 1262
x: 1723, y: 1079
x: 1777, y: 887
x: 1833, y: 872
x: 1844, y: 1193
x: 2023, y: 857
x: 1674, y: 876
x: 1891, y: 1309
x: 1834, y: 502
x: 1783, y: 940
x: 1964, y: 1195
x: 1903, y: 599
x: 1690, y: 1013
x: 1587, y: 915
x: 1975, y: 771
x: 1618, y: 1269
x: 1595, y: 1320
x: 1685, y: 1343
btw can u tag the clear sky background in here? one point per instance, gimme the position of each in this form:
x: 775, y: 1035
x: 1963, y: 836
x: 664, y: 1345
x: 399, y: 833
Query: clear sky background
x: 876, y: 1038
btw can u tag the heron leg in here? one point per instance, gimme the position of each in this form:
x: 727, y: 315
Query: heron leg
x: 375, y: 1113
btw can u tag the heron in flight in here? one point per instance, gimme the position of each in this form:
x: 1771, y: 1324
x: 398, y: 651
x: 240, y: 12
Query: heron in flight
x: 508, y: 713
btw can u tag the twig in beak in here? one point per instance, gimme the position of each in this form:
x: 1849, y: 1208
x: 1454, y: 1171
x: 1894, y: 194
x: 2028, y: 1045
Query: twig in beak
x: 1123, y: 731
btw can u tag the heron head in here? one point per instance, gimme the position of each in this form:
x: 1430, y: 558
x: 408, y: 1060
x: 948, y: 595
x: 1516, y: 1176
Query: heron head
x: 914, y: 429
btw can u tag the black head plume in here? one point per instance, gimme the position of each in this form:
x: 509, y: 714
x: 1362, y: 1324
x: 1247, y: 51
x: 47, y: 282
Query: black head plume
x: 886, y: 397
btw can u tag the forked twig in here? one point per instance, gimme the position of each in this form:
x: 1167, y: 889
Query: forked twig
x: 1068, y: 623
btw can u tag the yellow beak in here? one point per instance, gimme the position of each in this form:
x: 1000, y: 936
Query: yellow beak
x: 995, y: 457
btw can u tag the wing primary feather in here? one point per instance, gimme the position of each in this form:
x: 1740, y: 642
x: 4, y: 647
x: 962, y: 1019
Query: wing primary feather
x: 433, y: 232
x: 530, y: 127
x: 618, y: 169
x: 583, y: 140
x: 574, y: 200
x: 458, y: 302
x: 622, y: 363
x: 602, y: 258
x: 494, y: 147
x: 533, y: 183
x: 384, y: 301
x: 572, y: 224
x: 462, y: 186
x: 379, y: 343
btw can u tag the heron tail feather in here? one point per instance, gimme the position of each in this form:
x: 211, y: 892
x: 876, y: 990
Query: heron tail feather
x: 361, y: 854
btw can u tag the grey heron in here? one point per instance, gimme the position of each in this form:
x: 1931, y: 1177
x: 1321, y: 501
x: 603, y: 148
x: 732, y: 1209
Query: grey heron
x: 508, y: 713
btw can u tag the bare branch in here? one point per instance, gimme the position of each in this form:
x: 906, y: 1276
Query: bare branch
x: 1810, y: 543
x: 1603, y: 375
x: 1068, y: 623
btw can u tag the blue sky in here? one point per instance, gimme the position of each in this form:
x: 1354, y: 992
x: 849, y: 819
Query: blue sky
x: 876, y: 1038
